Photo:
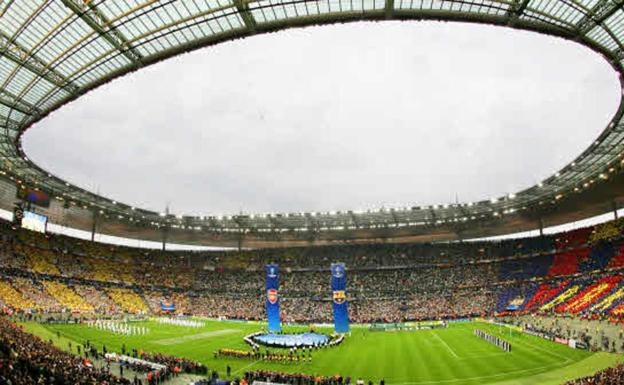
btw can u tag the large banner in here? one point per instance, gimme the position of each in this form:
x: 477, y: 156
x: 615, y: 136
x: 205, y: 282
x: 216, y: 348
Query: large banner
x: 339, y: 295
x: 167, y: 306
x: 272, y: 298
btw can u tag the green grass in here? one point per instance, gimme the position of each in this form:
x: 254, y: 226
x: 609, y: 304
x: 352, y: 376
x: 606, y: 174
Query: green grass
x: 450, y: 356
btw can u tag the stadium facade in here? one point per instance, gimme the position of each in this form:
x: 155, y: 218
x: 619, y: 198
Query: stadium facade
x: 55, y: 51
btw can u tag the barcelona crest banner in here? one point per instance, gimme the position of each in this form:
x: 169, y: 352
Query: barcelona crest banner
x: 272, y: 298
x: 339, y: 297
x: 167, y: 306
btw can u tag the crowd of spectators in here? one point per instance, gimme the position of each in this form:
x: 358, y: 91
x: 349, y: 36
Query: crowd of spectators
x: 175, y: 364
x: 294, y: 379
x: 28, y: 360
x: 609, y: 376
x: 386, y: 282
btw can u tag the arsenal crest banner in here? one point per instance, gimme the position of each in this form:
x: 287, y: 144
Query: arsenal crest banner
x: 272, y: 298
x: 339, y: 297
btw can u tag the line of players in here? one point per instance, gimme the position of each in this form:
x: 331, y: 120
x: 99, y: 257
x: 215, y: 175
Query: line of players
x: 118, y: 327
x: 179, y: 322
x: 294, y: 354
x: 506, y: 346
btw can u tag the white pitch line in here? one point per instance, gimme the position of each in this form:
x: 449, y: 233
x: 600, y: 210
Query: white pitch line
x: 193, y: 337
x: 445, y: 344
x: 566, y: 359
x: 477, y: 356
x: 245, y: 367
x: 539, y: 368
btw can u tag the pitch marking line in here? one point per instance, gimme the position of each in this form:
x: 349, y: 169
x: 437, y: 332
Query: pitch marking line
x: 245, y: 367
x: 193, y: 337
x: 551, y: 353
x: 477, y: 356
x: 445, y: 344
x: 482, y: 377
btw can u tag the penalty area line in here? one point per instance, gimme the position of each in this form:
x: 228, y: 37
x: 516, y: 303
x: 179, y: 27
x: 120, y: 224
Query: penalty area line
x: 445, y: 344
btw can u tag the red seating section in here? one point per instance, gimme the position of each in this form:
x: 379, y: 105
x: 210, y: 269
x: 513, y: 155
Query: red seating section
x: 566, y: 263
x: 590, y: 295
x: 618, y: 258
x: 544, y: 294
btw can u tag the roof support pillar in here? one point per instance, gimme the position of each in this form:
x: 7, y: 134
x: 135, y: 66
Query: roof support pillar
x: 93, y: 224
x: 517, y: 9
x: 389, y: 8
x: 243, y: 8
x: 165, y: 234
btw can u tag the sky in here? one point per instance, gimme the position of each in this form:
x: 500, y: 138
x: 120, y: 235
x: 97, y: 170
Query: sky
x: 353, y: 116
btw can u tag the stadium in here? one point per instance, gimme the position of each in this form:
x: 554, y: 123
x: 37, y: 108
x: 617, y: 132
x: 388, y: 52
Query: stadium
x: 443, y: 293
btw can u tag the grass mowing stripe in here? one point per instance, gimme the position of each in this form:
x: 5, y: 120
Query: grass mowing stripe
x: 444, y: 343
x: 451, y: 356
x: 245, y: 367
x: 193, y: 337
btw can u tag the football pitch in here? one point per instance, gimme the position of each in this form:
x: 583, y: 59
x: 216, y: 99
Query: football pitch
x: 452, y: 356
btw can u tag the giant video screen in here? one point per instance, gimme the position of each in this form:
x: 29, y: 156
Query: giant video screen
x: 35, y: 222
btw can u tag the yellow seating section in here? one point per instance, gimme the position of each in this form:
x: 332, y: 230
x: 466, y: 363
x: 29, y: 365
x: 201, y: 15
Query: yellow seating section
x: 13, y: 298
x: 67, y: 297
x: 128, y: 300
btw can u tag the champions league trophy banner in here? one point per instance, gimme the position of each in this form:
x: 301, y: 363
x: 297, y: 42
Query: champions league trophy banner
x: 272, y: 298
x: 339, y: 284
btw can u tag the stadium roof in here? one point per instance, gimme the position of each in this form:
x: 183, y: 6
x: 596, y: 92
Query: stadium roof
x: 53, y: 51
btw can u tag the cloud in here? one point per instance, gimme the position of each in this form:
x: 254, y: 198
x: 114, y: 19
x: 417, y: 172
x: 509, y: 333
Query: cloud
x: 336, y: 117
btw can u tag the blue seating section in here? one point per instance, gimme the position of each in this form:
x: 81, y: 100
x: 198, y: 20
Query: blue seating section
x: 599, y: 257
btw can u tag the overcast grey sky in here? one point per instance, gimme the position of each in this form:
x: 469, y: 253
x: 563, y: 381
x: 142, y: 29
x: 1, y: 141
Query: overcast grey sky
x: 341, y: 117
